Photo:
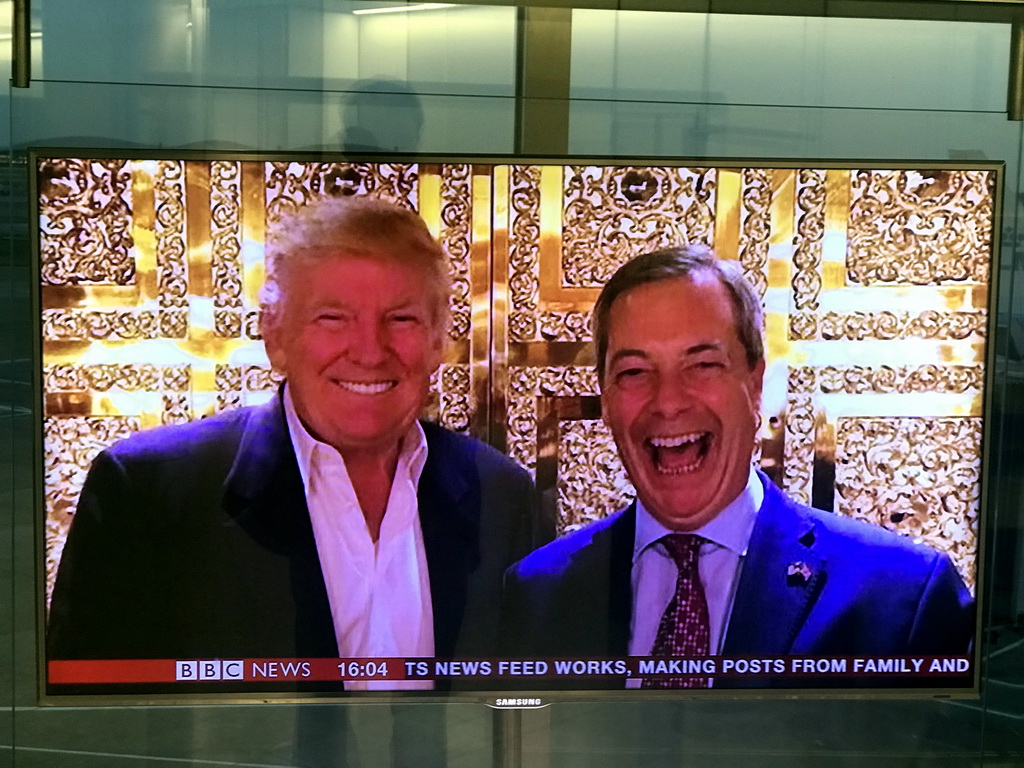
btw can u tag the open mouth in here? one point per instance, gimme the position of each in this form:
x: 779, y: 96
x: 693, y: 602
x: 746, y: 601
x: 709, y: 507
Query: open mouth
x: 679, y: 454
x: 367, y: 387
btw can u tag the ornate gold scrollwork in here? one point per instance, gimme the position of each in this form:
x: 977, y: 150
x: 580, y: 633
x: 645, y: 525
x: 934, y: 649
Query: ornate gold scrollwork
x: 524, y: 252
x: 855, y: 326
x: 456, y: 239
x: 916, y: 476
x: 592, y: 482
x: 226, y: 247
x: 810, y: 227
x: 920, y: 227
x: 290, y: 185
x: 755, y: 221
x: 85, y: 222
x: 614, y: 213
x: 169, y: 192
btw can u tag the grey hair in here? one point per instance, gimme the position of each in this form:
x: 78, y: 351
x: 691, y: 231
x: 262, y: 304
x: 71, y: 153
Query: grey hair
x: 676, y: 262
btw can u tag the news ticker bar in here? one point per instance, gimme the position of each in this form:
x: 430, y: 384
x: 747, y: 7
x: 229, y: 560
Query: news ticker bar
x: 429, y: 669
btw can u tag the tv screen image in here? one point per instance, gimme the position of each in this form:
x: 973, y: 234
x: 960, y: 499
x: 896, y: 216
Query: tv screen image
x: 875, y: 282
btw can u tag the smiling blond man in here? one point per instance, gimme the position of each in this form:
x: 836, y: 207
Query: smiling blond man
x: 330, y: 522
x: 711, y: 558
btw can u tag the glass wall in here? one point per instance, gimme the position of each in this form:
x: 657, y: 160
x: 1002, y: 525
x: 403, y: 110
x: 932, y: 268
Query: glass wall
x: 322, y: 76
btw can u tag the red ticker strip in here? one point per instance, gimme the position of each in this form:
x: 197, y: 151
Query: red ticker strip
x: 112, y: 671
x: 767, y: 668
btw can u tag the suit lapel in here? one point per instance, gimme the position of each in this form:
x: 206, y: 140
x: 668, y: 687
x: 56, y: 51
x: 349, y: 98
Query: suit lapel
x: 780, y: 581
x: 264, y: 490
x: 449, y: 504
x: 622, y: 533
x: 597, y: 596
x: 265, y: 497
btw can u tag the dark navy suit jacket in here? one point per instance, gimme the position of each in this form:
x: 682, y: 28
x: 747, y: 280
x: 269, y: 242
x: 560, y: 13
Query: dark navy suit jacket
x: 812, y: 583
x: 194, y: 542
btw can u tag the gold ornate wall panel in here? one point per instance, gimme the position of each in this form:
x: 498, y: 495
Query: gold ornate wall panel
x: 919, y: 228
x: 85, y: 227
x: 875, y: 286
x: 915, y: 475
x: 607, y: 213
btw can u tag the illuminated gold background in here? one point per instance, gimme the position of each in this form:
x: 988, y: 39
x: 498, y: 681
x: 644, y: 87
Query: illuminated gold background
x: 875, y: 285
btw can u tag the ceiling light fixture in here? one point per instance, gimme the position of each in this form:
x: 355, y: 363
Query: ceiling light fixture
x: 403, y: 8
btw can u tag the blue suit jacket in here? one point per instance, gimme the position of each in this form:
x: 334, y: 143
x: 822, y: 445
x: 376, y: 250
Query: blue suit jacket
x: 194, y: 542
x: 858, y: 590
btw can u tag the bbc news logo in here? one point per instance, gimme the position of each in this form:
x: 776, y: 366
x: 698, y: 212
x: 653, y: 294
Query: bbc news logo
x: 214, y: 669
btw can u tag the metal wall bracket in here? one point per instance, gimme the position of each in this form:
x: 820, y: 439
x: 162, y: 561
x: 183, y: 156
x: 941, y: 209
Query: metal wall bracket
x: 543, y: 53
x: 1015, y: 89
x: 21, y: 45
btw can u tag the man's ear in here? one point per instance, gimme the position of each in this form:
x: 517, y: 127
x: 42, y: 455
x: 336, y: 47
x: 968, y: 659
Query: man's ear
x: 755, y: 385
x: 270, y: 330
x: 438, y: 339
x: 438, y: 345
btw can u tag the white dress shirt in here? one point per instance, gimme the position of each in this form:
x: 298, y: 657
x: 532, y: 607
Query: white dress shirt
x: 720, y: 562
x: 379, y: 592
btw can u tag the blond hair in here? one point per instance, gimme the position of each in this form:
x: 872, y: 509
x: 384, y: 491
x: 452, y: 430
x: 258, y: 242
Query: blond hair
x: 355, y: 226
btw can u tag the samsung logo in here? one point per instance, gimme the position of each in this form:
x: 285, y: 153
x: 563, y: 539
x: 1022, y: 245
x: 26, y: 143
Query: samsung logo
x: 518, y: 703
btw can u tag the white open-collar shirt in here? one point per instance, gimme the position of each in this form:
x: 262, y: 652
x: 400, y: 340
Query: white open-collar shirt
x: 379, y: 592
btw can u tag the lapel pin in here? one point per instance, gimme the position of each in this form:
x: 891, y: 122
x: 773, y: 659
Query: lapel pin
x: 798, y: 574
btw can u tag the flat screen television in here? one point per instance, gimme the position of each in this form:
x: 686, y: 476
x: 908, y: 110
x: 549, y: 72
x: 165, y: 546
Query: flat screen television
x: 876, y: 285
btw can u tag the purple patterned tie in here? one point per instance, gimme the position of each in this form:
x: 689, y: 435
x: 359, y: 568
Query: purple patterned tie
x: 685, y: 629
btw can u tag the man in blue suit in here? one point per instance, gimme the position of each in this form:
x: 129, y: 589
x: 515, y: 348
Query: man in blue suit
x: 712, y: 558
x: 326, y: 523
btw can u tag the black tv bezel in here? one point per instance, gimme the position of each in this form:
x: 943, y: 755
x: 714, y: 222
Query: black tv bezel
x: 494, y: 696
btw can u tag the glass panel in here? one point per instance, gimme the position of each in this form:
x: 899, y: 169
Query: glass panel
x: 15, y: 387
x: 256, y: 736
x: 788, y: 60
x: 260, y: 43
x: 779, y: 734
x: 660, y: 129
x: 115, y: 115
